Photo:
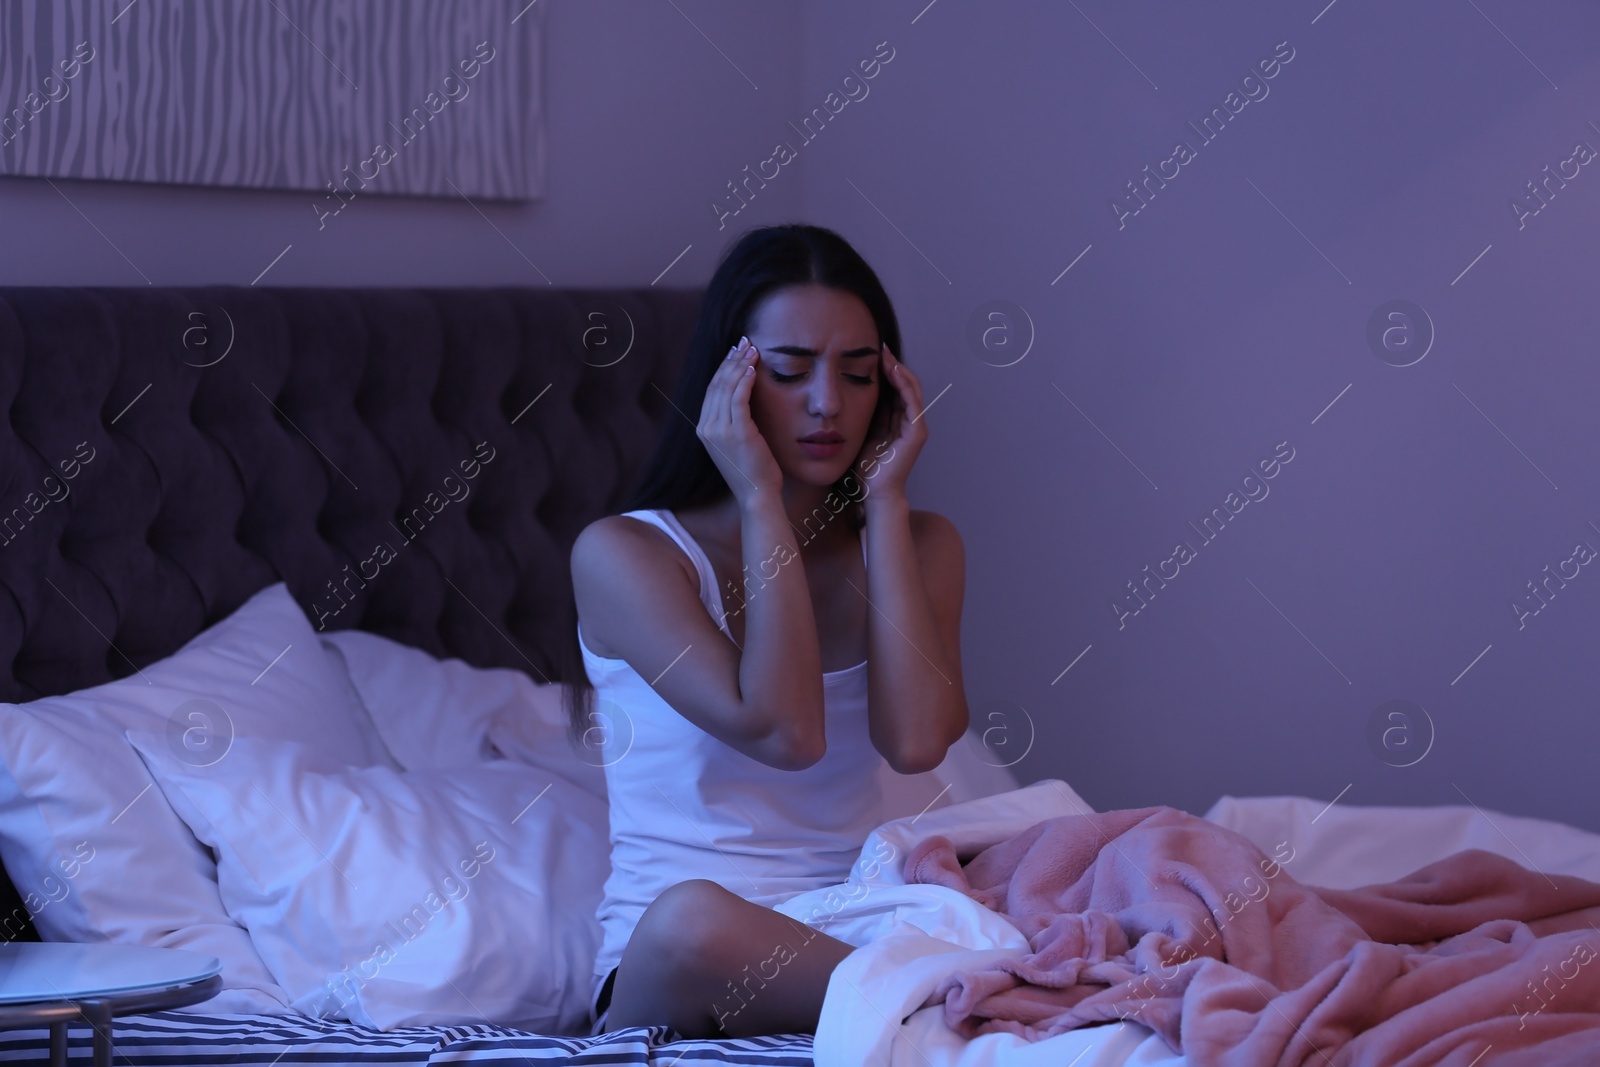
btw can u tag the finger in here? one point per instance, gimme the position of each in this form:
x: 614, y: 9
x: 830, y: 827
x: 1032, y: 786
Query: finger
x: 897, y: 400
x: 910, y: 387
x: 744, y: 382
x: 891, y: 371
x: 709, y: 419
x: 880, y: 420
x: 717, y: 393
x: 911, y: 393
x: 901, y: 374
x: 740, y: 392
x: 903, y: 408
x: 913, y: 413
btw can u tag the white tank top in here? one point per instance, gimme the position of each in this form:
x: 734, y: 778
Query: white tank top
x: 686, y: 805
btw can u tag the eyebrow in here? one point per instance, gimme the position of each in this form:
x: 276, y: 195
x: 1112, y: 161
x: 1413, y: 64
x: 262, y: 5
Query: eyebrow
x: 811, y: 353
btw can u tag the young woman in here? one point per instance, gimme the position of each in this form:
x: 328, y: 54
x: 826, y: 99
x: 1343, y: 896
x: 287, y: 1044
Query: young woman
x: 766, y: 625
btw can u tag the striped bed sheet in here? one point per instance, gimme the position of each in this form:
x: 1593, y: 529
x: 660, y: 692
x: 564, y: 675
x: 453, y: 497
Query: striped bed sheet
x: 170, y: 1037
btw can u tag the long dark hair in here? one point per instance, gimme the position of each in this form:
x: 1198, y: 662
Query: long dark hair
x: 681, y: 473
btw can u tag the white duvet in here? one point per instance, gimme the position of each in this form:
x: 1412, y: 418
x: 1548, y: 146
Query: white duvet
x: 908, y: 937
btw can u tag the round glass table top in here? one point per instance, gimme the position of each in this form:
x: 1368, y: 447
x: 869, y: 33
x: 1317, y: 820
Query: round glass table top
x: 57, y: 970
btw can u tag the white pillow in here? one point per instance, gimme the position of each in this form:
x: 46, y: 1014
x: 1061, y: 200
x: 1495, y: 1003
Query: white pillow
x: 430, y: 712
x: 449, y: 713
x: 86, y: 835
x: 1346, y: 846
x: 432, y: 897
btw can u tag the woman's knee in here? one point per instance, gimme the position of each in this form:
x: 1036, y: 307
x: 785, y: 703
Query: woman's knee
x: 687, y: 922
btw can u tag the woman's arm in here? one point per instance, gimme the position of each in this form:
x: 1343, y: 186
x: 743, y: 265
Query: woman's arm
x: 780, y: 666
x: 917, y: 705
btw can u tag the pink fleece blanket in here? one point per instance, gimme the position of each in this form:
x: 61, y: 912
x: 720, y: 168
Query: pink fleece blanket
x: 1161, y: 917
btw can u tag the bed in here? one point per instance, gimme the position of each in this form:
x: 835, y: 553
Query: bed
x: 207, y: 472
x: 280, y: 565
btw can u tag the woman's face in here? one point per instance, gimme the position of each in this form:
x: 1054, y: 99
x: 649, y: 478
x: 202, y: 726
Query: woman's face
x: 819, y: 373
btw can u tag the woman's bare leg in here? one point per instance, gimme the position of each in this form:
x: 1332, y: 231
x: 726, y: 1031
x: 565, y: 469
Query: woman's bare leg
x: 709, y: 963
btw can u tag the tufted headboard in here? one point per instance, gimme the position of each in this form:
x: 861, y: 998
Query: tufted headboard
x: 167, y: 452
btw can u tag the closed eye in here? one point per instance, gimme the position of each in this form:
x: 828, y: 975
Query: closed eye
x: 863, y: 379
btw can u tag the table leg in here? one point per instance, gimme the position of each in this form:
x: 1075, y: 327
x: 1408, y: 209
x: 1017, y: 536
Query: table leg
x: 97, y: 1013
x: 58, y: 1045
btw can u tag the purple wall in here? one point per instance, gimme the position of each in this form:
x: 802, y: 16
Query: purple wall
x: 1230, y: 314
x: 1185, y: 343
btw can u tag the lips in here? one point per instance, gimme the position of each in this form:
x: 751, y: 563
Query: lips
x: 821, y: 449
x: 823, y: 437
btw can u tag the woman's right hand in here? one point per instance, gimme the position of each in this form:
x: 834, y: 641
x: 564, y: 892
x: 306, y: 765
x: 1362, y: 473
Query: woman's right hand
x: 730, y: 434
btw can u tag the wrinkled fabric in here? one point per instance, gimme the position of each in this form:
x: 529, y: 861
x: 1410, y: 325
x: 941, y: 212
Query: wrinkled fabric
x: 1160, y: 917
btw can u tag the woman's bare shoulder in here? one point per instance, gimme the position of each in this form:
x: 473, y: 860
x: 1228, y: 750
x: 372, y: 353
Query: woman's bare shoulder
x: 926, y: 525
x: 610, y: 537
x: 610, y: 560
x: 940, y: 552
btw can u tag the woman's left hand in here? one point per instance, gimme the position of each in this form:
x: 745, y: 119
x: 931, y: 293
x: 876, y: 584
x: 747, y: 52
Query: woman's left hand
x: 894, y: 443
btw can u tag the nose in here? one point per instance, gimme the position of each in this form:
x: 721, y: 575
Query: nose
x: 823, y: 398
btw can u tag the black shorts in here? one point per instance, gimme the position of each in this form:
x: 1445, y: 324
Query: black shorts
x: 602, y: 1002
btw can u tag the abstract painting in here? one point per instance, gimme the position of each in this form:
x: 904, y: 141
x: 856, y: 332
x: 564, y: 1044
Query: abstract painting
x: 413, y: 97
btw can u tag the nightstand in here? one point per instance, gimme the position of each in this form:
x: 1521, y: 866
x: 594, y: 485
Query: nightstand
x: 57, y: 983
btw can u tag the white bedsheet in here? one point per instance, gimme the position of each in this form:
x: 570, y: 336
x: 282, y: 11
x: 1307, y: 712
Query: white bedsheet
x: 910, y: 936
